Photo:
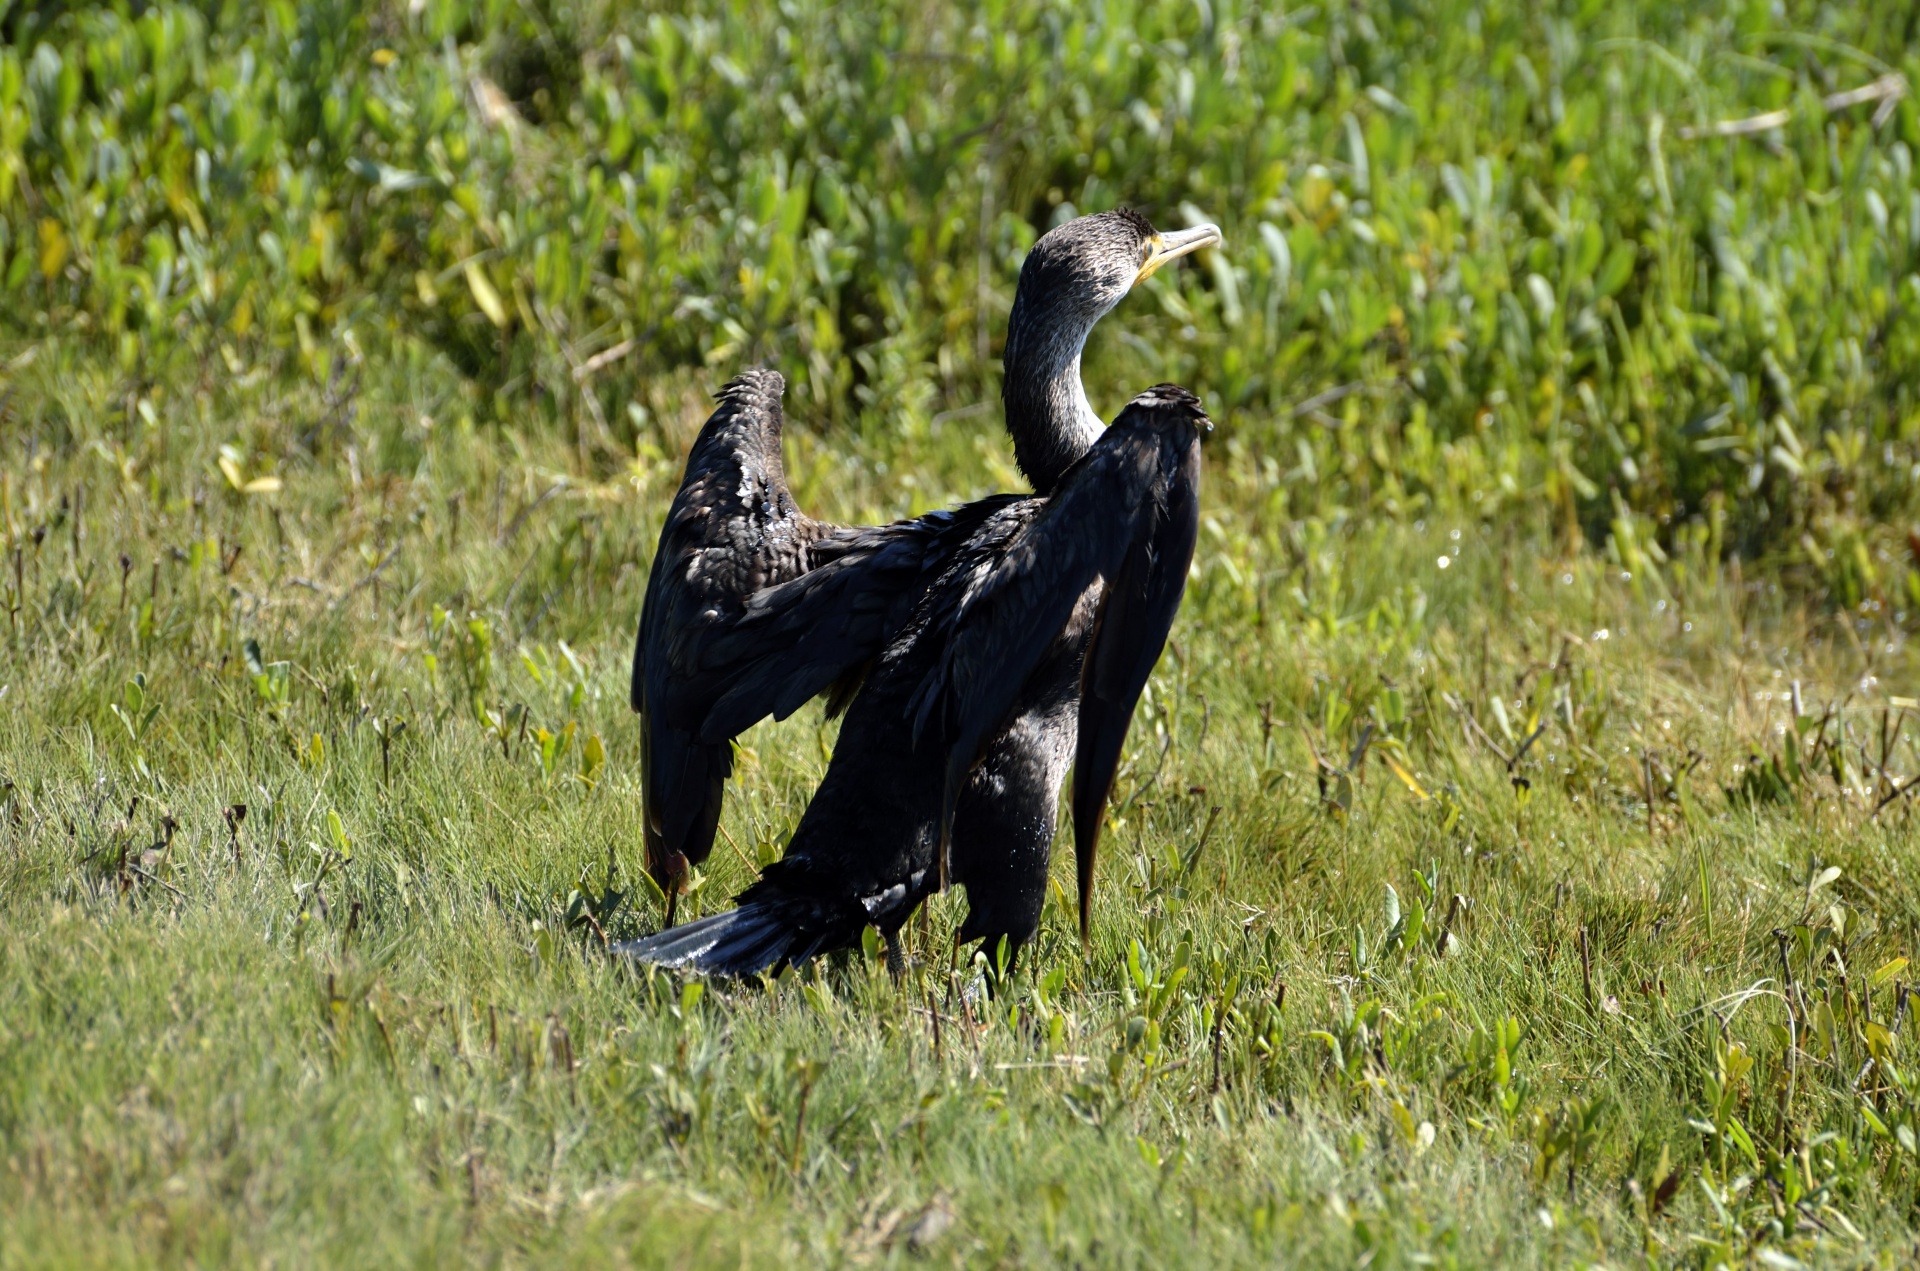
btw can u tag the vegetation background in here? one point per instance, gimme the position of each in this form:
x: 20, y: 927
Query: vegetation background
x: 1514, y: 863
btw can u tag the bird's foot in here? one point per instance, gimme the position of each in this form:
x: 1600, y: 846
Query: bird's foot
x: 896, y: 957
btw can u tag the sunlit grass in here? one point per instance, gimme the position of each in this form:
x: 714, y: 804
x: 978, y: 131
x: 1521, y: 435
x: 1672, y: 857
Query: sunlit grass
x: 1513, y: 861
x: 372, y: 1016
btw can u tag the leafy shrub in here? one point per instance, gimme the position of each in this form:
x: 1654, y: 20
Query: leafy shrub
x: 1482, y: 258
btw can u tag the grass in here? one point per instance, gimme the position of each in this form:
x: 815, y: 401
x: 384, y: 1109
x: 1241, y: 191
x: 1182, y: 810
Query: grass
x: 1513, y: 862
x: 374, y: 1015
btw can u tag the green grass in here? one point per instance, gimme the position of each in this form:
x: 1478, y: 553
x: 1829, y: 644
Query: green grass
x: 1546, y: 657
x: 268, y: 1044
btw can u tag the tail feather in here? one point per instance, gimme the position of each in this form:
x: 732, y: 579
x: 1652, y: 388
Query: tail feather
x: 788, y: 918
x: 741, y: 942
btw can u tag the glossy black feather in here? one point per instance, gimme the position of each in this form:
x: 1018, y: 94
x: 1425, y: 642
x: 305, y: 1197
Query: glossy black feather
x: 733, y: 529
x: 798, y: 640
x: 1137, y: 609
x: 1126, y: 513
x: 983, y: 681
x: 863, y: 853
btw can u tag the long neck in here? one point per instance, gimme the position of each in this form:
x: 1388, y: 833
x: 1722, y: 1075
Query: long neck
x: 1048, y: 415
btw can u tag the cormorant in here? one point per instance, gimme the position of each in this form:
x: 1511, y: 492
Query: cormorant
x: 1053, y: 606
x: 734, y: 529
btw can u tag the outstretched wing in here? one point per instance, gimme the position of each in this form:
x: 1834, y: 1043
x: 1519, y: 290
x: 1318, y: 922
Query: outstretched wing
x: 817, y: 633
x: 732, y: 530
x: 1126, y: 513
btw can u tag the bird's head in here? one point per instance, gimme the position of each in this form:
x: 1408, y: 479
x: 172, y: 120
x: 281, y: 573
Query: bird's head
x: 1083, y: 268
x: 1075, y: 273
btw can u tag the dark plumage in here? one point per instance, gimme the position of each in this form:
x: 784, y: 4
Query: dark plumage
x: 968, y: 715
x: 753, y: 608
x: 732, y: 530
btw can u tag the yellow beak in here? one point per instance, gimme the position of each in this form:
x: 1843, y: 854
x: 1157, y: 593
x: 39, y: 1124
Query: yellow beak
x: 1162, y: 248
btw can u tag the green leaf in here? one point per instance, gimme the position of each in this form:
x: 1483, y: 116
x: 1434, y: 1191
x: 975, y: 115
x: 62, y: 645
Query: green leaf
x: 1587, y: 247
x: 388, y: 177
x: 337, y: 831
x: 1416, y: 923
x: 484, y: 295
x: 593, y: 759
x: 1887, y: 971
x: 1617, y: 269
x: 1738, y: 1136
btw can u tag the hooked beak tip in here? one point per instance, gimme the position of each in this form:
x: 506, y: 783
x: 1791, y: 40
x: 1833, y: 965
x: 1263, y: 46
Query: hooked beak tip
x: 1171, y: 246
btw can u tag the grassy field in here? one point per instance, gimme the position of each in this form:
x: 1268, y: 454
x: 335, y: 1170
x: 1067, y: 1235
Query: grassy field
x: 1513, y: 861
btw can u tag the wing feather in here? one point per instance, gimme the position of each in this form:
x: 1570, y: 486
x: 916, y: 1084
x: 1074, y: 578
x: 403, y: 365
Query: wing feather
x: 1137, y: 609
x: 1126, y: 513
x: 817, y: 633
x: 732, y: 529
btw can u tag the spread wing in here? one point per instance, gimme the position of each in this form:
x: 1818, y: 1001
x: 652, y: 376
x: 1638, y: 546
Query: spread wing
x: 732, y: 530
x: 817, y: 633
x: 1126, y: 514
x: 753, y: 608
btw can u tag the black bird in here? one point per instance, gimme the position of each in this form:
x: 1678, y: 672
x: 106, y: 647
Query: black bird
x: 1048, y: 618
x: 733, y: 529
x: 700, y: 679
